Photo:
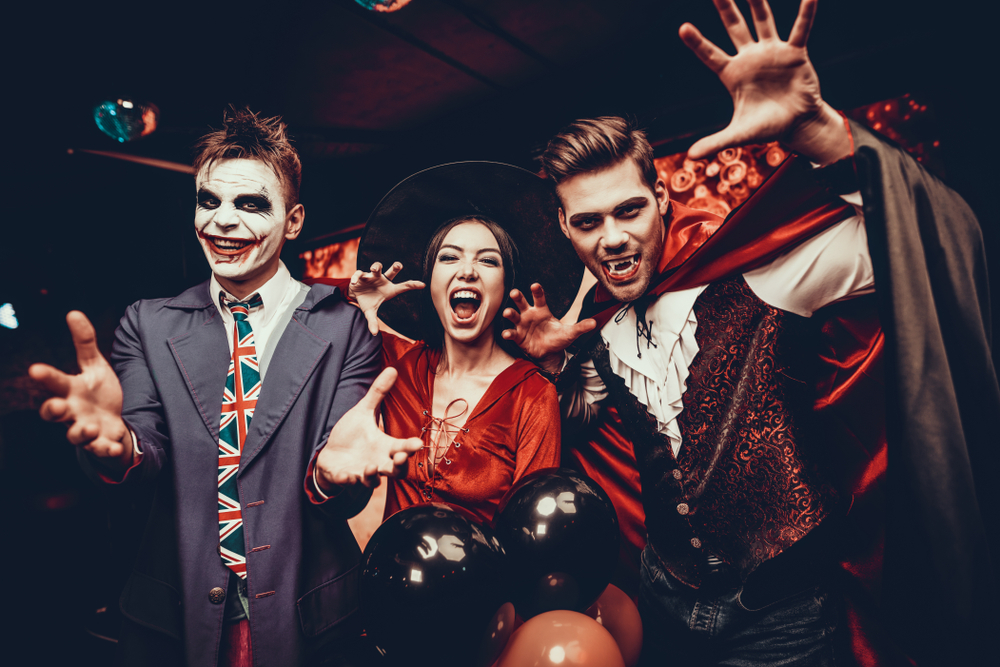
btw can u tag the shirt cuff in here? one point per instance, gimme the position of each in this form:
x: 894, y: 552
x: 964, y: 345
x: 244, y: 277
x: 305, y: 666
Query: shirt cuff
x: 314, y: 493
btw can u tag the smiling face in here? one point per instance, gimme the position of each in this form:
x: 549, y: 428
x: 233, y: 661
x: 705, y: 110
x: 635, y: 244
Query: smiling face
x: 241, y: 222
x: 615, y: 223
x: 467, y: 282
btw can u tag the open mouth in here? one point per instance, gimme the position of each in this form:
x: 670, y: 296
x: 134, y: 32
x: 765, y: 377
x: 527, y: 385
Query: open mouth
x: 465, y: 303
x: 229, y: 246
x: 623, y: 268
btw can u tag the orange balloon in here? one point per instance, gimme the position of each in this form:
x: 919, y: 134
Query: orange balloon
x: 618, y: 614
x: 561, y: 638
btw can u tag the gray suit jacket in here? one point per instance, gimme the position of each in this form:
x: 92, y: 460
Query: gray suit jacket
x: 172, y: 357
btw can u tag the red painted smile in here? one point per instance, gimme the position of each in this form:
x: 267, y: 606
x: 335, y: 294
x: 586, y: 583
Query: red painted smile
x: 230, y: 247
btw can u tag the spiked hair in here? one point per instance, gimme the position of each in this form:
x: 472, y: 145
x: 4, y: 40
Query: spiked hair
x: 245, y: 134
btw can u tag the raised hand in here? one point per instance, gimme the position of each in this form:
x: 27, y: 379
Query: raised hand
x: 538, y: 332
x: 373, y: 288
x: 90, y: 403
x: 357, y: 451
x: 773, y: 84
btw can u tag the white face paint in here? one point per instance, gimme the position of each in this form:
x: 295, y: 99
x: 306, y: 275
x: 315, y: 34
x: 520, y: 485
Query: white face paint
x: 241, y: 222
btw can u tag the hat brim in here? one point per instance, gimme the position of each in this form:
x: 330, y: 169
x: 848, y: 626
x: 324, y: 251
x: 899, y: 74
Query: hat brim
x: 402, y: 224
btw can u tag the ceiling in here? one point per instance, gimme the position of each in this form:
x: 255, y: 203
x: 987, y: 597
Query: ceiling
x: 371, y: 98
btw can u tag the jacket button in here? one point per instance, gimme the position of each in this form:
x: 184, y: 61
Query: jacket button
x: 677, y: 473
x: 217, y: 595
x: 683, y: 509
x: 696, y: 543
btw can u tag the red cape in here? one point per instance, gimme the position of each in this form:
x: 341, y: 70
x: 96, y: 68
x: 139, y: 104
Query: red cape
x: 790, y: 207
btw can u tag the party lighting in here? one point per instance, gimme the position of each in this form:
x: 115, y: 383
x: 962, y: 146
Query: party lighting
x: 7, y: 318
x: 124, y: 119
x: 383, y: 5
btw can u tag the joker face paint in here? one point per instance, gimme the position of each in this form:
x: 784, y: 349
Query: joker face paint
x: 241, y: 222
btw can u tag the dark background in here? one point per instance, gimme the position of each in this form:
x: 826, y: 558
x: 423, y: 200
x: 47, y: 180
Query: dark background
x: 369, y: 99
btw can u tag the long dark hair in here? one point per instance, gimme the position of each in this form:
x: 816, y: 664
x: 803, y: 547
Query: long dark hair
x: 430, y: 322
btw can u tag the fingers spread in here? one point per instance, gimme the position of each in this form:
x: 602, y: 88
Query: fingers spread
x: 512, y: 315
x: 51, y: 378
x: 583, y: 326
x: 763, y: 20
x: 393, y: 270
x: 83, y: 433
x: 803, y: 24
x: 733, y: 20
x: 372, y: 317
x: 405, y: 445
x: 518, y: 298
x: 380, y: 387
x: 538, y: 294
x: 55, y: 410
x: 714, y: 143
x: 84, y: 338
x: 713, y: 57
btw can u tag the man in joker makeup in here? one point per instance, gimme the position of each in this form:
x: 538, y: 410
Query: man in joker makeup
x: 243, y: 401
x: 732, y: 452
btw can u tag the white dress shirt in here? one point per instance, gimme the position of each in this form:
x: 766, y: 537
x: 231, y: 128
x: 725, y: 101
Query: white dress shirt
x: 281, y: 295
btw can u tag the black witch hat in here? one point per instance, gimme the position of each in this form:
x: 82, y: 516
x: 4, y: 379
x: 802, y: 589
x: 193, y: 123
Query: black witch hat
x: 519, y: 201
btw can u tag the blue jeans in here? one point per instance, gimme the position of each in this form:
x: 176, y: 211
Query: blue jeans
x: 685, y: 627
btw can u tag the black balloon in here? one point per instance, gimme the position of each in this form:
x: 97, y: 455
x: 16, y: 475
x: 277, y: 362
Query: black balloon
x: 560, y: 532
x: 432, y: 579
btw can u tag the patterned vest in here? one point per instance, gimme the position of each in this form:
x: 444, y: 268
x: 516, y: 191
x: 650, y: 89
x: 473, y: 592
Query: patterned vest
x: 741, y: 488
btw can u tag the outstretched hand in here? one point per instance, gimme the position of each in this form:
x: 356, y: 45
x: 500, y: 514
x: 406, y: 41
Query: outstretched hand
x: 538, y: 332
x: 773, y: 84
x: 357, y: 451
x: 373, y: 288
x: 90, y: 403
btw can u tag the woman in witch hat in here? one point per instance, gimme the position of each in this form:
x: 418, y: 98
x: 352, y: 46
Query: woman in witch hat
x: 471, y: 232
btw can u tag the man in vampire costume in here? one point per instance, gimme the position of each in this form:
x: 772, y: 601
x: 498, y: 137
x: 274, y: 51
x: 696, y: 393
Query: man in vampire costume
x: 762, y: 464
x: 238, y: 400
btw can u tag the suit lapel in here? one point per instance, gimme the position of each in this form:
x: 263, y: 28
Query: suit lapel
x: 203, y: 356
x: 294, y: 359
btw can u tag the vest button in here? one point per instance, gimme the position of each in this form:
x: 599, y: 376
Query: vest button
x: 696, y: 543
x: 683, y: 509
x: 217, y: 595
x: 677, y: 473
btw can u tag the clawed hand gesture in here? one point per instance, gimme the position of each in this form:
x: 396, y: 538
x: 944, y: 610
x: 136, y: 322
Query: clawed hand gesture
x: 90, y: 403
x: 773, y: 84
x: 357, y: 451
x: 373, y: 288
x: 538, y: 332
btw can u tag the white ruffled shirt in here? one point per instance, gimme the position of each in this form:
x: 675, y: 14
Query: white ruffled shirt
x: 832, y: 266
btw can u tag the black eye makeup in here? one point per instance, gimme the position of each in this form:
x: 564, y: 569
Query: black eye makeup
x: 253, y: 203
x: 207, y: 200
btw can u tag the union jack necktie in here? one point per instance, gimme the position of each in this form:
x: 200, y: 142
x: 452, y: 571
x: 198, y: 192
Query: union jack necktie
x: 238, y: 402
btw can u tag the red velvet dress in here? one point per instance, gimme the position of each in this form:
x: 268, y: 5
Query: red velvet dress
x: 513, y: 430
